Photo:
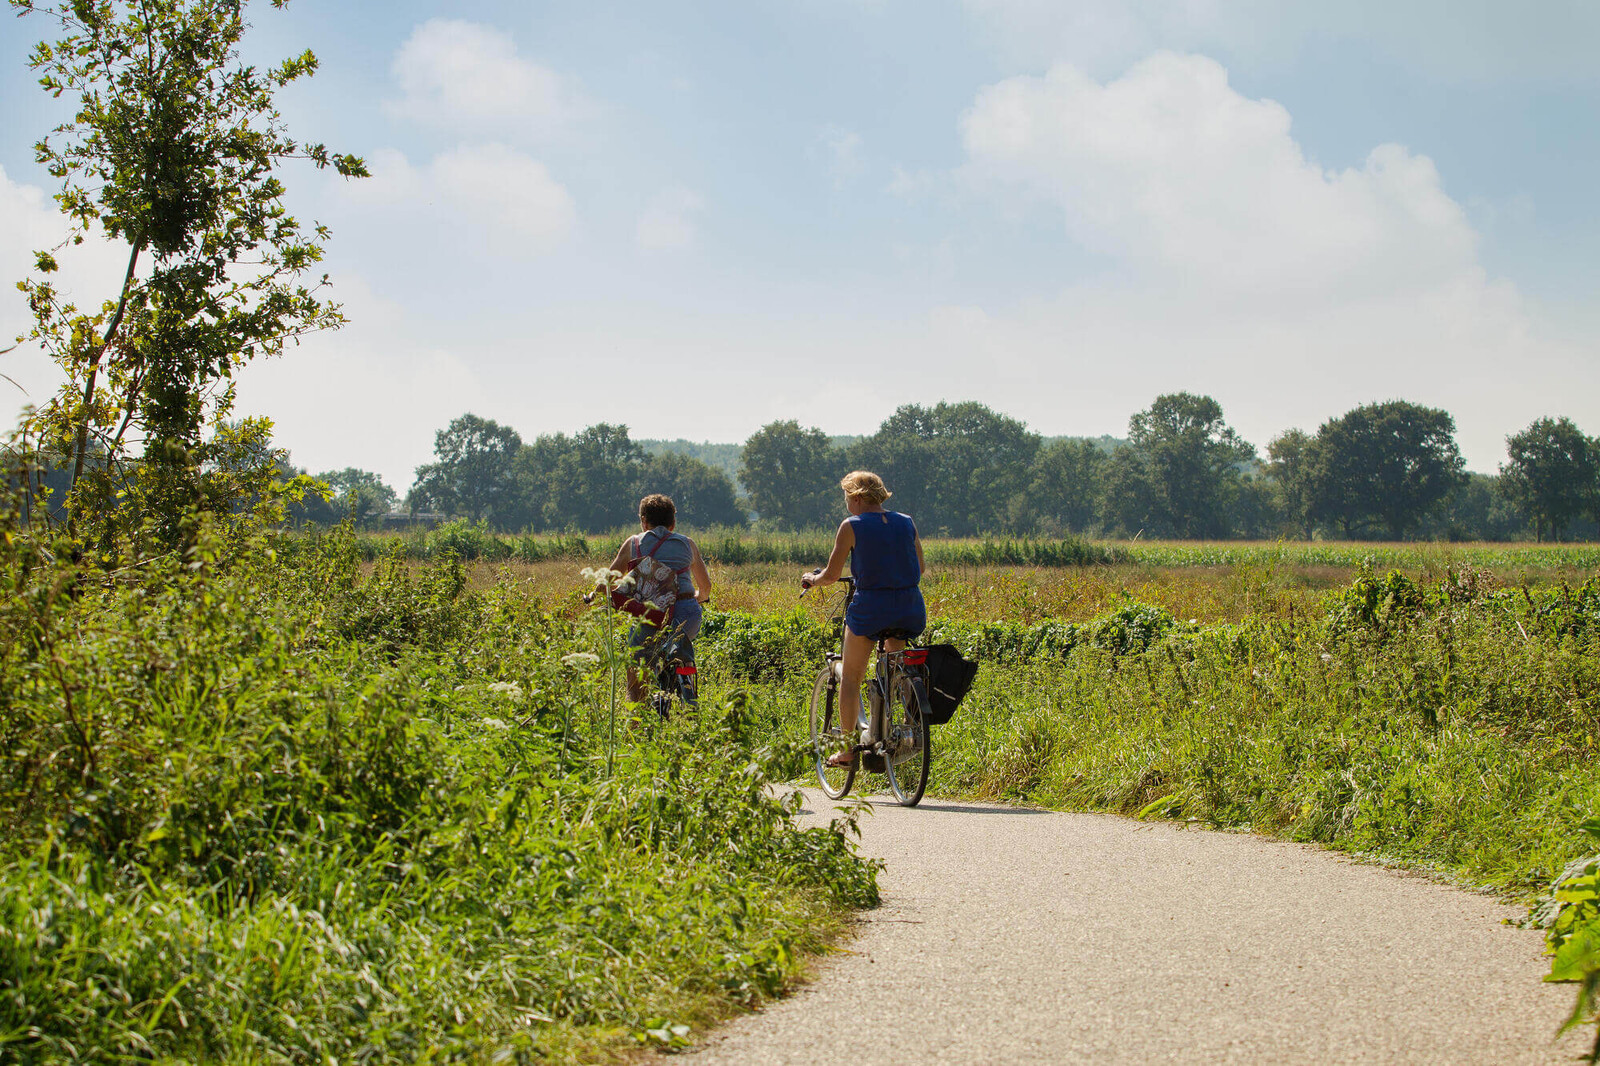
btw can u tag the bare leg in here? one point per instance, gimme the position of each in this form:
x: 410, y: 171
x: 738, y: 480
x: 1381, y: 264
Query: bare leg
x: 635, y: 685
x: 853, y: 671
x: 857, y: 651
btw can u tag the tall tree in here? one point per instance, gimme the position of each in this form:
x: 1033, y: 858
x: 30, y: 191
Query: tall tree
x: 597, y: 483
x: 473, y: 471
x: 173, y: 150
x: 957, y: 467
x: 1385, y: 465
x: 1191, y: 458
x: 703, y: 495
x: 1552, y: 474
x: 791, y: 475
x: 360, y: 494
x: 1065, y: 491
x: 1291, y: 458
x: 1127, y: 499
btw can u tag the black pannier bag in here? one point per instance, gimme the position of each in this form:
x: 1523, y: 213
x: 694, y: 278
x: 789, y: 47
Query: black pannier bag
x: 949, y: 678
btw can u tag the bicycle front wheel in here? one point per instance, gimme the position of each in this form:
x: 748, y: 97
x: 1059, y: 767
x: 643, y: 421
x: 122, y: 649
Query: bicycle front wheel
x: 826, y: 737
x: 908, y: 733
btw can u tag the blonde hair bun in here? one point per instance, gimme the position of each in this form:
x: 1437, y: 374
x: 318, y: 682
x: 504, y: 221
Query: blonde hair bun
x: 865, y: 483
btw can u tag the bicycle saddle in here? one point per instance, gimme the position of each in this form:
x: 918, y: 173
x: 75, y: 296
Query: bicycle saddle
x: 894, y: 634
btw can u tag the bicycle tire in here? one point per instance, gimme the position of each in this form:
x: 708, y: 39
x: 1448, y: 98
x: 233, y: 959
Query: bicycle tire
x: 908, y: 775
x: 826, y: 738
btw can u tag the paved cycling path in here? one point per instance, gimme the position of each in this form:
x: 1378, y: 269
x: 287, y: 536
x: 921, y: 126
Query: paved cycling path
x: 1018, y: 936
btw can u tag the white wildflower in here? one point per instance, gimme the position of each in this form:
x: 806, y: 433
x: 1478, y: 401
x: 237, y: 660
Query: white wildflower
x: 494, y: 723
x: 507, y: 688
x: 602, y: 575
x: 579, y: 659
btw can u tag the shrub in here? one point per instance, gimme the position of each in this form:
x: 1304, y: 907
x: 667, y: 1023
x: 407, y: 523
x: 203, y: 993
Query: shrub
x: 1574, y: 936
x: 259, y: 808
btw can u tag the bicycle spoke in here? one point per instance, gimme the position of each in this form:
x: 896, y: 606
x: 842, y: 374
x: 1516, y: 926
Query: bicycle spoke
x: 826, y: 739
x: 908, y: 731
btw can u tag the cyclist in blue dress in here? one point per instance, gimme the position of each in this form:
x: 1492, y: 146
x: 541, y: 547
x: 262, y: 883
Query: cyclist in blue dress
x: 886, y: 561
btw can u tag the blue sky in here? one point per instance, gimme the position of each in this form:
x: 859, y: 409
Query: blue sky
x: 699, y: 218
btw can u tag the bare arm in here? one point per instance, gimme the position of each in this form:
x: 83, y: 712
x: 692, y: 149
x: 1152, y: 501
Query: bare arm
x: 701, y: 576
x: 624, y: 557
x: 842, y: 543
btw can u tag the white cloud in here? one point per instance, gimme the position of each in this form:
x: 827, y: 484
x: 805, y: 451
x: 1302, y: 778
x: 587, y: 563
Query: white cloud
x: 369, y: 395
x: 1169, y: 168
x: 394, y: 182
x: 1238, y: 267
x: 509, y: 197
x: 454, y: 73
x: 667, y: 221
x: 509, y: 193
x: 90, y: 273
x: 841, y: 152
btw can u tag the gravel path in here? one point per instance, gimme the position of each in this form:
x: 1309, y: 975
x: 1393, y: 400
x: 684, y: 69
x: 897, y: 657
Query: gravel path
x: 1019, y: 936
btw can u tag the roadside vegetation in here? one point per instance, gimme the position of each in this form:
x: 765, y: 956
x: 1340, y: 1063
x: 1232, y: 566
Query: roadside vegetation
x: 391, y: 777
x: 259, y: 807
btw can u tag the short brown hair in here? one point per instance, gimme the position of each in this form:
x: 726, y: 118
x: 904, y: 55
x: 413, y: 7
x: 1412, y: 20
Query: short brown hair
x: 865, y: 483
x: 658, y: 510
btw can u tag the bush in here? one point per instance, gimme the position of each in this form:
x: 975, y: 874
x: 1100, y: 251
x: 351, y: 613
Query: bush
x: 260, y: 808
x: 767, y: 649
x: 1574, y: 936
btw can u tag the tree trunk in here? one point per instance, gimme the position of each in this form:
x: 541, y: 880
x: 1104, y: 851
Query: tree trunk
x: 81, y: 443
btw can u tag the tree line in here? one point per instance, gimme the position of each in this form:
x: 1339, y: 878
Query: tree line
x: 1383, y: 470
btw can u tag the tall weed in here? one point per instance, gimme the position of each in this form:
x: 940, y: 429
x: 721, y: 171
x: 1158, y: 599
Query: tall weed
x: 260, y: 807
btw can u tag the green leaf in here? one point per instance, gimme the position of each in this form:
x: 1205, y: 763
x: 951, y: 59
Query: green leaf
x: 1578, y: 957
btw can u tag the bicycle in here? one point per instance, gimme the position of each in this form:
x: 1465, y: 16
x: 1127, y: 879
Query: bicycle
x: 670, y: 663
x: 892, y: 728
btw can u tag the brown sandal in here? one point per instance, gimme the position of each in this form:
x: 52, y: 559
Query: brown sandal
x: 842, y: 760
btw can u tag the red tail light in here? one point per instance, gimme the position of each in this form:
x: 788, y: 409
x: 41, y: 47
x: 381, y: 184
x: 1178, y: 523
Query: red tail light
x: 916, y: 656
x: 686, y: 671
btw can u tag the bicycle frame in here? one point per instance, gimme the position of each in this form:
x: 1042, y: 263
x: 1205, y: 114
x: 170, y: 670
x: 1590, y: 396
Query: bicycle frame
x: 674, y: 676
x: 894, y: 672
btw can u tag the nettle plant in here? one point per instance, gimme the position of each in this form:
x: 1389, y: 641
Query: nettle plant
x: 172, y: 152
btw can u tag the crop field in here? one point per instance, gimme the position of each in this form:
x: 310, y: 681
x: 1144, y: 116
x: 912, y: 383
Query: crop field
x: 1511, y: 561
x: 1221, y: 582
x: 403, y: 771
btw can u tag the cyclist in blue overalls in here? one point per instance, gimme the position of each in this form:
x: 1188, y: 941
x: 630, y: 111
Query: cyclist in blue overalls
x: 658, y: 516
x: 886, y: 561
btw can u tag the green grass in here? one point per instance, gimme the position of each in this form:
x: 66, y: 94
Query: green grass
x: 1453, y: 725
x: 740, y: 547
x: 285, y: 801
x: 259, y: 810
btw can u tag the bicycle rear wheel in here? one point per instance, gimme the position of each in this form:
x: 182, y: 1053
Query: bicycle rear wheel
x: 826, y: 738
x: 908, y: 736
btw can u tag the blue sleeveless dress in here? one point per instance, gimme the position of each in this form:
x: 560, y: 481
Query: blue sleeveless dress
x: 884, y: 564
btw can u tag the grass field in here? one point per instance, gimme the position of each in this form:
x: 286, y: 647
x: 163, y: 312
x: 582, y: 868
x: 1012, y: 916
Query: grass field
x: 1223, y: 582
x: 1514, y: 561
x: 403, y: 777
